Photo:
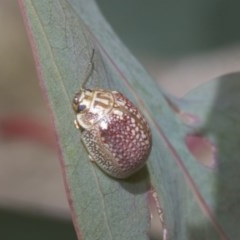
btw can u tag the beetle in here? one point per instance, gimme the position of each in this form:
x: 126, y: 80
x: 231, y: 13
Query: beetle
x: 115, y: 133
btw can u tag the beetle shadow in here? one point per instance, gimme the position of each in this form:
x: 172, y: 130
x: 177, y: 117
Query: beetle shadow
x: 138, y: 183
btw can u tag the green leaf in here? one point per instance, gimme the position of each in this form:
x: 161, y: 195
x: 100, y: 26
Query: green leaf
x: 103, y: 208
x: 216, y: 103
x: 63, y: 34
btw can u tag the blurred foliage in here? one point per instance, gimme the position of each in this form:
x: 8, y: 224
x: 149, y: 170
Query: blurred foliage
x: 28, y: 226
x: 173, y: 28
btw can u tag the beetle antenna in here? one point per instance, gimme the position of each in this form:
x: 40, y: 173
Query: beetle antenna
x: 89, y: 70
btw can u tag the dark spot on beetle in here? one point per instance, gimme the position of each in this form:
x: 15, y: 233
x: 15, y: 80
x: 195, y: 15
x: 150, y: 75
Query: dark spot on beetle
x: 81, y: 107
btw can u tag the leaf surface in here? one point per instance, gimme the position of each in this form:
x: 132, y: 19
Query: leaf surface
x: 216, y: 103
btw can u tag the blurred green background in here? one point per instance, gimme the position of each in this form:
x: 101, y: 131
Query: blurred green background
x: 181, y: 43
x: 171, y: 28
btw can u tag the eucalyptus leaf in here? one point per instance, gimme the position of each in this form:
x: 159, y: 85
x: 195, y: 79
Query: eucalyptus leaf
x: 216, y: 103
x: 63, y: 34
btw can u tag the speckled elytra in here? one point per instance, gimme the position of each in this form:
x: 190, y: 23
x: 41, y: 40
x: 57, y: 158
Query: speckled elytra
x: 114, y: 132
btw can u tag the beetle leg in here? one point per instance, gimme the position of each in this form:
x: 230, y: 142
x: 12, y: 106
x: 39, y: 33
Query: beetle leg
x: 76, y: 124
x: 90, y: 158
